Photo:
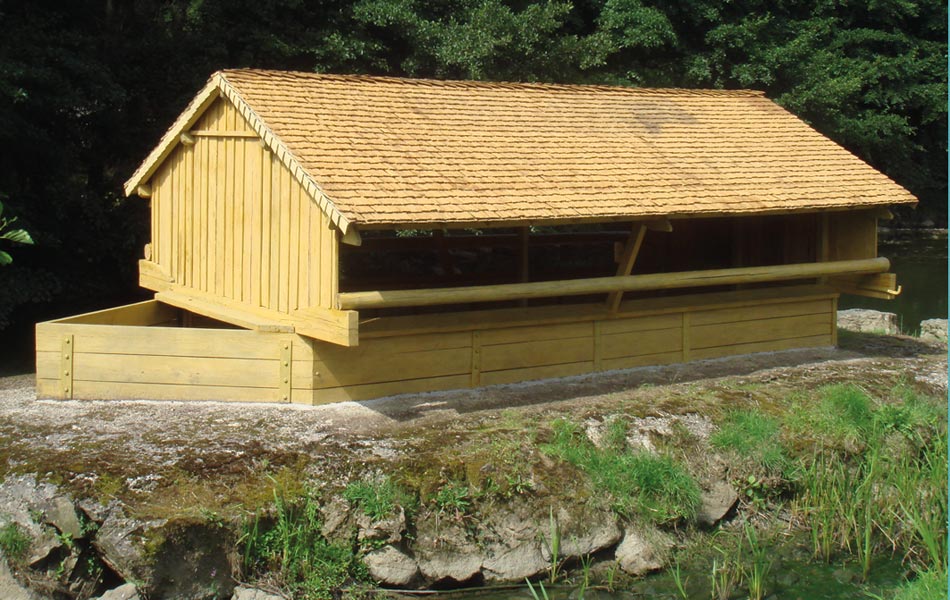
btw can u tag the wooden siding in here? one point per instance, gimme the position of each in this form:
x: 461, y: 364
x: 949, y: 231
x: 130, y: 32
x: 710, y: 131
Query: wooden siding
x: 130, y: 352
x: 228, y: 219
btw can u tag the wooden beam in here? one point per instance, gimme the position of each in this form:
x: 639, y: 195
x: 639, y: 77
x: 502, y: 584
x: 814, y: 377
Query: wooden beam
x: 241, y: 316
x: 625, y: 264
x: 339, y: 327
x: 882, y: 214
x: 144, y: 190
x: 352, y: 237
x: 579, y: 287
x: 187, y: 139
x: 222, y: 134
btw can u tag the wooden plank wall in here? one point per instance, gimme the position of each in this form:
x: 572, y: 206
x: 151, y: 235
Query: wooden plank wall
x: 851, y: 235
x: 441, y: 361
x: 229, y: 219
x: 121, y: 354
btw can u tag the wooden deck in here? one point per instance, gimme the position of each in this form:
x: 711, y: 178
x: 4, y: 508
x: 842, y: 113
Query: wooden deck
x: 145, y: 350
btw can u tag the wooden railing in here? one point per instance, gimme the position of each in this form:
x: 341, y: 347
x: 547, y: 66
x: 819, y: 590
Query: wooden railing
x: 598, y: 285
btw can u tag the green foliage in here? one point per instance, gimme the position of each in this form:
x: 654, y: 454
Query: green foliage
x: 655, y: 486
x: 17, y: 236
x: 753, y: 436
x: 378, y: 498
x: 930, y: 585
x: 453, y: 498
x: 289, y: 545
x: 14, y: 542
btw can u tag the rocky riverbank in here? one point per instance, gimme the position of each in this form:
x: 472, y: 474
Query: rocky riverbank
x: 175, y: 500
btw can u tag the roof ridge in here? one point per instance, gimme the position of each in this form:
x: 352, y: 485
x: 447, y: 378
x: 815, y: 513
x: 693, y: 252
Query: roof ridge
x: 473, y: 84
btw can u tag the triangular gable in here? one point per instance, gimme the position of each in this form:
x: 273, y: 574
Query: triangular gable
x: 216, y: 87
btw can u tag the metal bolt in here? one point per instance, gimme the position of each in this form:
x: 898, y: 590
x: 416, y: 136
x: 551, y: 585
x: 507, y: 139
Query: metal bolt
x: 286, y: 381
x: 66, y: 373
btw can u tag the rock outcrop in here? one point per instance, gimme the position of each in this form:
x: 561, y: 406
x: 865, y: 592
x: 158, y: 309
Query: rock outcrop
x: 868, y: 321
x: 934, y: 330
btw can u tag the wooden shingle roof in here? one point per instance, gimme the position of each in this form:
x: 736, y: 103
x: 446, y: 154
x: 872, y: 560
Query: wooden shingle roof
x: 378, y: 151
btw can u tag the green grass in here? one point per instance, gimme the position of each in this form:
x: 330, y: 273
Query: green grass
x: 14, y: 542
x: 289, y: 544
x: 930, y: 585
x: 378, y: 498
x: 454, y: 498
x: 655, y: 486
x: 753, y: 436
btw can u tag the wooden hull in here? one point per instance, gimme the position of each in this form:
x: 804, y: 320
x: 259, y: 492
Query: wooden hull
x: 152, y: 350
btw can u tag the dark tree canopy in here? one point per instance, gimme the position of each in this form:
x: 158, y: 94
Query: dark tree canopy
x: 87, y: 88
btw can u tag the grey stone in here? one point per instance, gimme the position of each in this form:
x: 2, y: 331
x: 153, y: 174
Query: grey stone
x: 125, y: 591
x: 22, y: 497
x: 868, y: 321
x: 121, y: 545
x: 10, y: 588
x: 390, y: 566
x: 247, y: 593
x: 584, y: 532
x: 338, y: 520
x: 388, y: 529
x: 642, y: 552
x: 934, y: 330
x: 506, y: 563
x: 61, y: 514
x: 444, y: 551
x: 716, y: 502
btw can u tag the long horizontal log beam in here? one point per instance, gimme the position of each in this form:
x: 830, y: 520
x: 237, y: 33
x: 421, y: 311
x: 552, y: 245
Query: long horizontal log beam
x: 603, y: 285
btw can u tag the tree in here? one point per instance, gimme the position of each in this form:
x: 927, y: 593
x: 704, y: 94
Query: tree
x: 17, y: 236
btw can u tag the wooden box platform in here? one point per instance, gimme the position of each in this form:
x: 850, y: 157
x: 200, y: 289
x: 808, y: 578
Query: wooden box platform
x: 147, y: 350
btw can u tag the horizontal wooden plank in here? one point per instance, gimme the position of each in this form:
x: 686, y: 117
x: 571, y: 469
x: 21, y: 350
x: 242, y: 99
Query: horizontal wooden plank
x: 639, y: 343
x: 572, y: 313
x: 536, y: 354
x: 540, y: 333
x: 379, y: 390
x: 242, y: 316
x: 171, y: 341
x: 646, y: 360
x: 535, y: 373
x: 149, y: 312
x: 49, y: 388
x: 395, y: 367
x: 765, y: 311
x: 727, y: 334
x: 380, y: 349
x: 99, y: 390
x: 640, y: 324
x: 177, y: 370
x: 811, y: 341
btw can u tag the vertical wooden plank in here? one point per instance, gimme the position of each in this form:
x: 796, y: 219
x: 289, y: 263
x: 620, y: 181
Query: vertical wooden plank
x: 286, y: 364
x: 685, y: 325
x: 66, y: 367
x: 239, y: 224
x: 283, y: 285
x: 188, y: 171
x: 179, y: 273
x: 252, y: 187
x: 266, y: 186
x: 315, y: 233
x: 834, y: 322
x: 202, y: 213
x: 275, y: 196
x: 229, y: 202
x: 293, y: 269
x: 215, y: 281
x: 597, y: 350
x: 476, y: 359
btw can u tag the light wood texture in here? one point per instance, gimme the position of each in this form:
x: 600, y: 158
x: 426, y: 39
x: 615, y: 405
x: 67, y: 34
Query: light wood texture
x: 625, y: 265
x: 229, y: 219
x: 883, y: 285
x: 660, y: 281
x: 114, y: 359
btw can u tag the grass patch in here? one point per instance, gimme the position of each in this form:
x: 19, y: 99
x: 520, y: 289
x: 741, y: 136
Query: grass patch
x: 14, y: 542
x: 753, y: 436
x: 930, y: 585
x: 657, y: 487
x: 378, y: 498
x: 288, y: 546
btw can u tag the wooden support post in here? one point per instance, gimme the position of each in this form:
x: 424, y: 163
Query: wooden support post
x: 824, y: 242
x: 67, y: 367
x: 476, y: 359
x: 834, y: 321
x: 627, y: 260
x: 597, y: 349
x: 286, y: 369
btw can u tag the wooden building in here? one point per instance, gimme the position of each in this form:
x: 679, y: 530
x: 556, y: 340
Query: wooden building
x: 318, y: 238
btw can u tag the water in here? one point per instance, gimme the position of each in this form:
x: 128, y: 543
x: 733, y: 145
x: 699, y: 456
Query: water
x: 920, y: 260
